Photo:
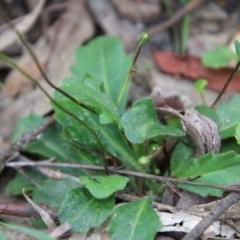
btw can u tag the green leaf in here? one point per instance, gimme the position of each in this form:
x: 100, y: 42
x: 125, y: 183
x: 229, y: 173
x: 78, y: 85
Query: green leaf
x: 141, y: 123
x: 112, y: 139
x: 222, y: 170
x: 38, y: 223
x: 218, y: 58
x: 51, y: 144
x: 16, y: 185
x: 237, y: 133
x: 87, y: 91
x: 237, y: 48
x: 27, y: 124
x: 200, y: 86
x: 105, y: 60
x: 2, y: 237
x: 230, y: 144
x: 83, y: 212
x: 135, y: 220
x: 181, y: 156
x: 60, y: 188
x: 229, y: 115
x: 30, y: 232
x: 103, y: 187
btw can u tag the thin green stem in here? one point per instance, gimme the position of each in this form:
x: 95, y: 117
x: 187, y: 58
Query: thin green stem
x: 203, y: 99
x: 126, y: 81
x: 151, y: 156
x: 35, y: 59
x: 34, y: 81
x: 144, y: 37
x: 184, y: 33
x: 226, y: 85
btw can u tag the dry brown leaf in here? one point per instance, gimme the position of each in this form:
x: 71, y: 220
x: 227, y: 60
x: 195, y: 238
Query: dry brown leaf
x: 191, y: 67
x: 74, y: 27
x: 139, y: 11
x: 8, y: 37
x: 111, y: 23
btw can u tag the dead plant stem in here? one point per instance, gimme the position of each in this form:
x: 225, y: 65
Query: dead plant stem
x: 176, y: 16
x: 221, y: 207
x: 119, y: 171
x: 25, y: 210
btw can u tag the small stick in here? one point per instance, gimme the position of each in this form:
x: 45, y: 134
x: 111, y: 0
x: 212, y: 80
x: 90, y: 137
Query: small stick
x: 47, y: 10
x: 176, y: 17
x: 158, y: 206
x: 12, y: 64
x: 22, y: 26
x: 221, y: 207
x: 119, y: 171
x: 47, y: 172
x: 25, y: 210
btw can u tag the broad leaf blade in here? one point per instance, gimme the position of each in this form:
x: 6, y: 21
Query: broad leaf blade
x: 112, y: 139
x: 141, y: 123
x: 60, y: 188
x: 103, y: 187
x: 221, y: 170
x: 134, y: 220
x: 83, y: 212
x: 229, y: 115
x: 218, y: 58
x: 16, y: 185
x: 180, y: 157
x: 27, y: 124
x: 105, y: 60
x: 51, y: 144
x: 87, y: 91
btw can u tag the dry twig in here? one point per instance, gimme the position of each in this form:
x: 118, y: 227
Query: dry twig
x: 23, y: 26
x: 158, y: 206
x: 6, y: 155
x: 176, y: 17
x: 221, y: 207
x: 45, y: 216
x: 25, y: 210
x: 165, y: 180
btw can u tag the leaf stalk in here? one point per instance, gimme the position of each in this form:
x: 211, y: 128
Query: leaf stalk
x: 143, y: 39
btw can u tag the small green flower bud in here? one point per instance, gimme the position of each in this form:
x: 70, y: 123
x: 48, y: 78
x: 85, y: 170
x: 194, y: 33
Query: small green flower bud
x: 144, y: 160
x: 144, y: 37
x: 153, y: 148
